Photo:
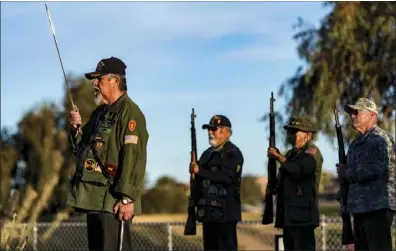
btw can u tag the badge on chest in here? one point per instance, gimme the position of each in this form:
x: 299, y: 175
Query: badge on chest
x: 299, y: 191
x: 91, y: 165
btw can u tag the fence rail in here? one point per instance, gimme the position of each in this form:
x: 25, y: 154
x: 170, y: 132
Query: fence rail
x: 252, y: 235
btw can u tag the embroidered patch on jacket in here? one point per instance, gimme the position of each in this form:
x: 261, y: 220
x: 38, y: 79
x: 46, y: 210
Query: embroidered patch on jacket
x: 131, y: 139
x: 89, y: 165
x: 132, y: 125
x: 311, y: 150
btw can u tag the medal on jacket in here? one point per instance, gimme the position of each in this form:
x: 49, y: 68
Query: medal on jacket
x: 201, y: 212
x: 89, y: 165
x: 98, y: 144
x: 299, y: 191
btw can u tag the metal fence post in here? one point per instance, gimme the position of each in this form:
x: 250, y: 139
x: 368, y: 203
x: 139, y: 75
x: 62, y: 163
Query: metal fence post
x: 35, y: 236
x: 323, y: 230
x: 170, y: 237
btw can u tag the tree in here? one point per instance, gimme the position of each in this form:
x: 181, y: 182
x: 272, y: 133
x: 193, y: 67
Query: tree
x: 8, y: 160
x: 351, y: 55
x: 326, y: 179
x: 42, y: 145
x: 167, y: 196
x: 250, y: 190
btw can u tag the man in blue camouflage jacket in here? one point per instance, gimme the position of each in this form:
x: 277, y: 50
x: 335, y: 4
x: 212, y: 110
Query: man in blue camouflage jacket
x: 370, y: 172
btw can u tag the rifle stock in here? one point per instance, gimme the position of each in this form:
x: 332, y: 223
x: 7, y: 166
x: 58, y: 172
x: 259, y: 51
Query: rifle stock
x: 191, y: 225
x: 268, y: 214
x: 347, y: 232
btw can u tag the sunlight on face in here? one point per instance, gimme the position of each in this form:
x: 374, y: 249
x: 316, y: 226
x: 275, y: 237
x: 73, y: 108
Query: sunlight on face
x: 361, y: 118
x: 217, y: 136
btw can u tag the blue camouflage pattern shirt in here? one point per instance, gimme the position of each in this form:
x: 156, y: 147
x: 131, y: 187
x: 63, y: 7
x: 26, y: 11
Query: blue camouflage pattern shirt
x: 370, y: 172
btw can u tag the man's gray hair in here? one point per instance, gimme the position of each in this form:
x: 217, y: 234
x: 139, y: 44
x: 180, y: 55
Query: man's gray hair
x: 123, y: 81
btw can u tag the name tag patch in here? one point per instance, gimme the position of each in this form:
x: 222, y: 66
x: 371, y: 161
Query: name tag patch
x: 131, y: 139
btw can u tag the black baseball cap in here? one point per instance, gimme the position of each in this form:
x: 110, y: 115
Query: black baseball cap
x: 217, y: 121
x: 106, y: 66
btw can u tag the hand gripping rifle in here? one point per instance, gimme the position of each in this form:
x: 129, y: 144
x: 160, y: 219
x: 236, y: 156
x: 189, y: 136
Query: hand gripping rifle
x: 268, y: 215
x: 347, y: 234
x: 191, y: 227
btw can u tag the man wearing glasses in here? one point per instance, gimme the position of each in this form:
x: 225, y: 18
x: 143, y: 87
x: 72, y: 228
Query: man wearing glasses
x: 297, y: 210
x: 111, y: 156
x: 370, y: 172
x: 218, y: 176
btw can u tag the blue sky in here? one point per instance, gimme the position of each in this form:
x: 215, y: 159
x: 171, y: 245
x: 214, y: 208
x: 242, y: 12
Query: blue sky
x: 220, y: 58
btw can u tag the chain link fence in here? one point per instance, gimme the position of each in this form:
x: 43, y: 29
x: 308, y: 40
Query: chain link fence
x: 252, y: 235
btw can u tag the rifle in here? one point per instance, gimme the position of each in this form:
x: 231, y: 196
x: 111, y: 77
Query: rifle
x: 347, y: 233
x: 191, y: 227
x: 268, y: 215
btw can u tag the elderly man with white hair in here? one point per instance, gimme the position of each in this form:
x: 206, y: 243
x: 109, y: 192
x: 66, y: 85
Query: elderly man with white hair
x: 370, y: 172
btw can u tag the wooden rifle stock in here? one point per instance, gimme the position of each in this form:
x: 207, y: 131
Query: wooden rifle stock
x: 347, y: 232
x: 191, y: 225
x: 268, y: 214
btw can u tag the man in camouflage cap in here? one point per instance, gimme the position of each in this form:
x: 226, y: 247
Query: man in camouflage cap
x: 297, y: 210
x: 370, y: 172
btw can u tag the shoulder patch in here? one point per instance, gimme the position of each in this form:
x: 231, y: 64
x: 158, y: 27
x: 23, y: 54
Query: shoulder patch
x: 311, y: 150
x: 132, y: 125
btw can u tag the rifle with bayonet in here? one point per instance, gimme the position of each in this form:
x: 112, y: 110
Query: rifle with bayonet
x: 347, y: 232
x: 191, y: 227
x: 268, y: 215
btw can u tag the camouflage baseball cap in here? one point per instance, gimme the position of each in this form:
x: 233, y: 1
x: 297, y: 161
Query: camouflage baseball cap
x: 362, y: 104
x: 302, y: 124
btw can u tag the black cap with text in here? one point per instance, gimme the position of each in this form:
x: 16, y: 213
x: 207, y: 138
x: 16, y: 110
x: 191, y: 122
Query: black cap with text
x: 106, y: 66
x: 217, y: 121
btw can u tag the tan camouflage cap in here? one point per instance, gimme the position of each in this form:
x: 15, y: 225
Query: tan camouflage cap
x: 302, y: 124
x: 362, y: 104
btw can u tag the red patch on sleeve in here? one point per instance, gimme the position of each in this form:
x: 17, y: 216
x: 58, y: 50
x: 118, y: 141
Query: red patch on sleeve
x: 132, y: 125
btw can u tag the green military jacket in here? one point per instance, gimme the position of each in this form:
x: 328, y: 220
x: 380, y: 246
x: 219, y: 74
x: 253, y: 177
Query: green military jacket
x: 298, y: 184
x: 111, y: 157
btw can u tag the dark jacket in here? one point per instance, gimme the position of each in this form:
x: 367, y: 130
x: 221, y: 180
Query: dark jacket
x: 218, y: 184
x: 298, y: 183
x: 371, y: 172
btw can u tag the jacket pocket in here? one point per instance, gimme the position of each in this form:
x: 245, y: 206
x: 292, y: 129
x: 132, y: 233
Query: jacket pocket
x: 299, y: 211
x: 92, y: 173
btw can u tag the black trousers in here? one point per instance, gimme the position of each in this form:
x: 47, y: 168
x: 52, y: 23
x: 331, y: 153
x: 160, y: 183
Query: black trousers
x: 220, y: 236
x: 103, y: 232
x: 299, y: 238
x: 373, y: 230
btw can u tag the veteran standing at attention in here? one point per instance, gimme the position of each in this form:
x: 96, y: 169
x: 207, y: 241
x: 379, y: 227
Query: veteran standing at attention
x: 297, y: 209
x: 370, y: 172
x: 218, y: 176
x: 111, y: 158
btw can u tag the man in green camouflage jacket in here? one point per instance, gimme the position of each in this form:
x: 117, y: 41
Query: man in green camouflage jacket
x: 297, y: 206
x: 370, y: 171
x: 111, y: 158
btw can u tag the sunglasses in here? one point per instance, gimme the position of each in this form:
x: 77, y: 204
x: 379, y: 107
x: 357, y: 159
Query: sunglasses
x: 292, y: 130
